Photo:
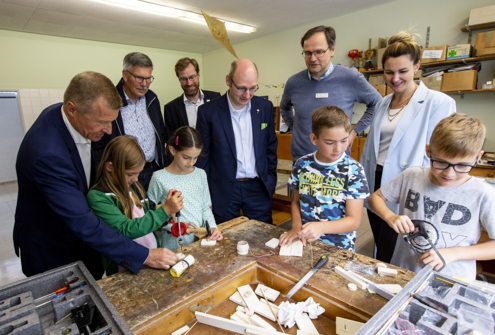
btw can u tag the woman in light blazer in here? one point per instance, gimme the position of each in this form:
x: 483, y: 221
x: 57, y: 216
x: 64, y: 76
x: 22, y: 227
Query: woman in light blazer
x: 401, y: 127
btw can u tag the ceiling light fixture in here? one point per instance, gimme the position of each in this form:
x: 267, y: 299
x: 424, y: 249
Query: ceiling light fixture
x: 149, y: 7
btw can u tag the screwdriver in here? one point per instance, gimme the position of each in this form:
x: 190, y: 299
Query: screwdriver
x: 177, y: 215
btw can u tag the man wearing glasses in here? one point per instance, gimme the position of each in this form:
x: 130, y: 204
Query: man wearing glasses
x: 140, y: 117
x: 183, y: 111
x: 323, y: 84
x: 240, y: 148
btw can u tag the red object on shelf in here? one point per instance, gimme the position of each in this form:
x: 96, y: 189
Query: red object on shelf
x: 353, y: 53
x: 175, y: 229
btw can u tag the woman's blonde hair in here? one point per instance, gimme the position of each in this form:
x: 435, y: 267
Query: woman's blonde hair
x: 401, y: 44
x: 458, y: 135
x: 124, y: 153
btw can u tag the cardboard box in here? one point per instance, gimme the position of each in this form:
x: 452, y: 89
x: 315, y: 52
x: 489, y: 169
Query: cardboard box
x: 418, y: 74
x: 459, y: 51
x: 376, y: 80
x: 379, y: 56
x: 485, y: 52
x: 459, y: 81
x: 382, y: 89
x: 433, y: 83
x: 485, y: 40
x: 482, y: 15
x: 389, y: 91
x: 439, y: 53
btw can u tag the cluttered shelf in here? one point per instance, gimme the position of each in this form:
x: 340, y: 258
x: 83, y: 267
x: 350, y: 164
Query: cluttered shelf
x: 458, y: 61
x: 479, y: 27
x: 472, y: 91
x: 372, y: 71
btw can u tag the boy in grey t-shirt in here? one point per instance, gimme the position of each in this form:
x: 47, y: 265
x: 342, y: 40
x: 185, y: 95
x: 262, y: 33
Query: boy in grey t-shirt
x: 456, y: 205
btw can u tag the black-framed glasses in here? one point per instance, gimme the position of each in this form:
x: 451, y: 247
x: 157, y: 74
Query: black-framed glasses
x: 185, y: 79
x: 460, y: 168
x: 317, y: 53
x: 244, y: 89
x: 140, y: 79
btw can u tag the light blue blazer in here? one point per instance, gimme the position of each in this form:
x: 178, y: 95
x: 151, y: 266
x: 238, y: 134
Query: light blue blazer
x: 408, y: 146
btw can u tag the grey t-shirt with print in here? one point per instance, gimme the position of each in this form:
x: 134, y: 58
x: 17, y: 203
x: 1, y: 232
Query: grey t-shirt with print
x: 457, y: 215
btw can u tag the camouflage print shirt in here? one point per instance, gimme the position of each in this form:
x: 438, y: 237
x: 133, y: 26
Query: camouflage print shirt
x: 324, y: 189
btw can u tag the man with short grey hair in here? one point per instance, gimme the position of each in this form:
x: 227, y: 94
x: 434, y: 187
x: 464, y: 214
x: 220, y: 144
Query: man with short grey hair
x: 54, y: 225
x: 140, y: 116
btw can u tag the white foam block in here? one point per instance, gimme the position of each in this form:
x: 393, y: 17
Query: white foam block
x: 270, y: 293
x: 273, y: 243
x: 305, y: 324
x: 256, y: 320
x: 205, y: 243
x: 248, y: 297
x: 347, y: 276
x: 181, y: 331
x: 347, y: 327
x: 236, y: 297
x: 295, y: 248
x: 387, y: 272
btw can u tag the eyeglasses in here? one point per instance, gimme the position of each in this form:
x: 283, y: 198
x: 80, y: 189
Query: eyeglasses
x: 317, y: 53
x: 460, y: 168
x: 244, y: 89
x: 185, y: 79
x: 139, y: 79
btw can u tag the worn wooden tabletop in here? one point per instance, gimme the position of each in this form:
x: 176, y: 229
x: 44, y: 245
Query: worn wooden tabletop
x: 142, y: 297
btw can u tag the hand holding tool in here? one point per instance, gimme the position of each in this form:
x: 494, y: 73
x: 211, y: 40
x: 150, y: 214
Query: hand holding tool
x: 419, y: 224
x: 321, y: 263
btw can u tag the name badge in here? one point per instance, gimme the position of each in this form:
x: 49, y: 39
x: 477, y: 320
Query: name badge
x: 321, y: 95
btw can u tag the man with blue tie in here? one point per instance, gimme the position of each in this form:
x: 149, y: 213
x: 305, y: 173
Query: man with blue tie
x: 240, y: 148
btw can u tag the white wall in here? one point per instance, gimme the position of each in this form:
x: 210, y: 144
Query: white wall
x: 44, y: 65
x: 278, y: 56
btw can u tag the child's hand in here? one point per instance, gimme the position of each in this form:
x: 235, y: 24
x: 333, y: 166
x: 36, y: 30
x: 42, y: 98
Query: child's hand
x: 288, y: 237
x: 216, y: 235
x: 190, y: 225
x: 431, y: 257
x: 312, y: 231
x: 402, y: 224
x: 174, y: 203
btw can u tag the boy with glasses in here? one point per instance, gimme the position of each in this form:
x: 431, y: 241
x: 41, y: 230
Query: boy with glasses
x: 455, y: 205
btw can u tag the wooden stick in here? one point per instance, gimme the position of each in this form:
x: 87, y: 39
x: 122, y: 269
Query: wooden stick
x: 196, y: 230
x: 268, y: 303
x: 196, y: 322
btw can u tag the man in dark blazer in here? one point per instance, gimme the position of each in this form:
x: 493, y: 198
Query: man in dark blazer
x: 140, y: 115
x: 54, y: 225
x: 183, y: 110
x: 240, y: 148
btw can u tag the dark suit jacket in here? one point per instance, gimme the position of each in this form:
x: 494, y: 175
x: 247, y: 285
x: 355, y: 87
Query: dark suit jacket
x: 155, y: 114
x: 219, y: 158
x: 175, y: 114
x: 54, y: 225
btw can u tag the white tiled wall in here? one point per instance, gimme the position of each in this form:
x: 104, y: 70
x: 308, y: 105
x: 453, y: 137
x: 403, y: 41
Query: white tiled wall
x: 34, y: 101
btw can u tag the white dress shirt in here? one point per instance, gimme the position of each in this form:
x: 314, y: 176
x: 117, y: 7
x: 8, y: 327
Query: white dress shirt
x: 192, y: 109
x: 243, y: 133
x: 83, y: 147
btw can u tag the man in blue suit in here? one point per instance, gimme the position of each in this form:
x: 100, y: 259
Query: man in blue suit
x: 54, y: 225
x: 240, y: 148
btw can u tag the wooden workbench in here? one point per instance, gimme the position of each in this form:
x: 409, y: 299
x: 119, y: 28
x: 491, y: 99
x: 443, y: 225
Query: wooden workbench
x: 154, y: 302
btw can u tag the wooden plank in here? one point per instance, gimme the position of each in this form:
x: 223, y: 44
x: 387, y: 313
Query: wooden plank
x: 270, y: 293
x: 233, y: 326
x: 305, y: 324
x: 256, y: 320
x: 387, y: 272
x: 347, y: 327
x: 248, y: 297
x: 236, y: 297
x: 295, y: 248
x: 359, y: 283
x: 205, y: 243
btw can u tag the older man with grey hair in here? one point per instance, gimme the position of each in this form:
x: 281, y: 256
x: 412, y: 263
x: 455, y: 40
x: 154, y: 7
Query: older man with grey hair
x: 140, y: 116
x: 54, y: 225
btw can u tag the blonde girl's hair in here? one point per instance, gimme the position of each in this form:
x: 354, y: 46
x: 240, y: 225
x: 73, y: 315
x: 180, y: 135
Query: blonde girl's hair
x: 124, y: 153
x: 402, y: 44
x: 458, y: 135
